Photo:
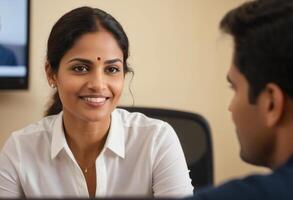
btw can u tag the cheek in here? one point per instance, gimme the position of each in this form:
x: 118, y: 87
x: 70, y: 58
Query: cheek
x: 240, y: 113
x: 71, y: 82
x: 117, y: 87
x: 233, y: 107
x: 68, y: 86
x: 68, y: 89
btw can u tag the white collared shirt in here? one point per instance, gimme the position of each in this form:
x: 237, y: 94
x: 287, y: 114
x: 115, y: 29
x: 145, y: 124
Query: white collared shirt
x: 141, y: 157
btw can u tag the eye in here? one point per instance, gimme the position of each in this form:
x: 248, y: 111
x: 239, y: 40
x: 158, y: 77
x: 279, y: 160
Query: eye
x: 80, y: 68
x: 113, y: 69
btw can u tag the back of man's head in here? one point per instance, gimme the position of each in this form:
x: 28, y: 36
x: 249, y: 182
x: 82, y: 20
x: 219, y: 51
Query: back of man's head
x: 263, y: 37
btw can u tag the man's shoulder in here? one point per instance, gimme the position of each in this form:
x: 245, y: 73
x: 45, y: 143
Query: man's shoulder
x: 277, y: 185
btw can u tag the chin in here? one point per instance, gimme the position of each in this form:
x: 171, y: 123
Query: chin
x: 98, y: 113
x: 244, y: 158
x: 253, y: 159
x: 97, y: 118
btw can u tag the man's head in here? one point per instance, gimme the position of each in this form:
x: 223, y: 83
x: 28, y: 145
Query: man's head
x: 261, y: 73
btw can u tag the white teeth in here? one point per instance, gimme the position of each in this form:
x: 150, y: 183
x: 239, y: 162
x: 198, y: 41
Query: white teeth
x: 95, y: 99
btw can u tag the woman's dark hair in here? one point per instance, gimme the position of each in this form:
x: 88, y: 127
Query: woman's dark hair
x: 263, y: 43
x: 69, y: 28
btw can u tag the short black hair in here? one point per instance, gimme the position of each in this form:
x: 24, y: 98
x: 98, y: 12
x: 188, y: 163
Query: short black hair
x: 262, y: 31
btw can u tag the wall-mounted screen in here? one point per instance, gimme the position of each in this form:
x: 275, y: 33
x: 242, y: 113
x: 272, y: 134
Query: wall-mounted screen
x: 14, y: 44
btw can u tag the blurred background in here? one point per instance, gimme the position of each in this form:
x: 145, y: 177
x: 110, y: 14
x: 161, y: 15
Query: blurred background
x: 179, y: 56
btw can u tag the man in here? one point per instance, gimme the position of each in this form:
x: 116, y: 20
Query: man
x: 261, y: 76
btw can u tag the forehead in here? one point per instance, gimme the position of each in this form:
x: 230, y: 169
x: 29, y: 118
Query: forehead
x: 101, y: 43
x: 236, y: 77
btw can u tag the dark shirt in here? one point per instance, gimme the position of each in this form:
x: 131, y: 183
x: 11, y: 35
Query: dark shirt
x: 7, y: 57
x: 276, y: 186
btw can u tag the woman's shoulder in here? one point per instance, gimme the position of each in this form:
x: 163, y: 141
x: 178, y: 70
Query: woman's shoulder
x: 33, y: 133
x: 144, y: 130
x: 139, y: 124
x: 137, y: 119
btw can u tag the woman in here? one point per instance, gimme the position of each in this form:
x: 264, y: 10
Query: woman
x: 85, y: 147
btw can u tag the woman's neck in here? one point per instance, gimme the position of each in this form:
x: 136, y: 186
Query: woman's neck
x: 85, y: 138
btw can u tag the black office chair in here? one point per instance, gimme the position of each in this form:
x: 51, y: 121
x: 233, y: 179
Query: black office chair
x: 194, y: 134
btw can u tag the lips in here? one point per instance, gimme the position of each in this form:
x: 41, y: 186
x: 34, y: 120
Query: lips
x: 94, y: 100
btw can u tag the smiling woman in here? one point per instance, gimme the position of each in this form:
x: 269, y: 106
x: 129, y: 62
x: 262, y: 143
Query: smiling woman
x: 85, y: 147
x: 90, y: 88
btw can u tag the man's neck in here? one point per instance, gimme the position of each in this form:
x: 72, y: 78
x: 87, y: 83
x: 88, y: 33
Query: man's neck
x: 283, y: 147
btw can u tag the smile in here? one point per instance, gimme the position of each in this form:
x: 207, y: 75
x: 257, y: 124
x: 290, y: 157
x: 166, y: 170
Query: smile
x: 95, y: 101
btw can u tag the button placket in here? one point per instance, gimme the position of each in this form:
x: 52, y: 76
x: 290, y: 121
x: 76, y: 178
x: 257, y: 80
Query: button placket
x: 78, y: 176
x: 101, y: 176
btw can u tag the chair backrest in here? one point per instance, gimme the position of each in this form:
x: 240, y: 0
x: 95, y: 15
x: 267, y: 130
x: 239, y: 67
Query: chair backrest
x: 194, y: 134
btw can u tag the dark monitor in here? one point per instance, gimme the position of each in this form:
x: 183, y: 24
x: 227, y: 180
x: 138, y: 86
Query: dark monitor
x: 14, y: 44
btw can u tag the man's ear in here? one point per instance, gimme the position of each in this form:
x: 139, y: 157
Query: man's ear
x: 274, y: 104
x: 51, y: 76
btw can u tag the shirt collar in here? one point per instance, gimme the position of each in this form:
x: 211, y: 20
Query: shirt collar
x: 116, y: 137
x: 115, y: 140
x: 58, y: 136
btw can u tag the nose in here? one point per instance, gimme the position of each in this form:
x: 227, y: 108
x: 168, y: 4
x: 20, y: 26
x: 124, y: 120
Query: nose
x: 97, y: 80
x: 230, y: 106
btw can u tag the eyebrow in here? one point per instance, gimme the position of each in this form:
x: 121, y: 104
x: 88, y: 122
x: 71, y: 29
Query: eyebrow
x: 111, y: 61
x: 80, y: 60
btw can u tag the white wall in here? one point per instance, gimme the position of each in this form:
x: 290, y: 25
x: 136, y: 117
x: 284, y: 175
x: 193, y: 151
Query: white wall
x: 180, y: 60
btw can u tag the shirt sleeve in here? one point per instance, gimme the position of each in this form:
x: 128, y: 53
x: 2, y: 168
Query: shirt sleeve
x: 9, y: 163
x: 170, y: 172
